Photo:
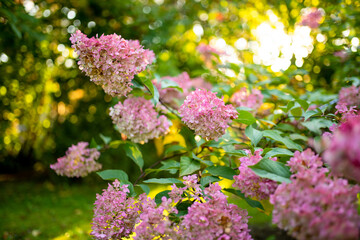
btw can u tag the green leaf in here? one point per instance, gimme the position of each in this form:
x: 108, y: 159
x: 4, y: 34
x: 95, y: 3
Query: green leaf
x: 167, y: 83
x: 134, y: 153
x: 221, y: 171
x: 145, y: 188
x: 254, y: 135
x: 163, y: 180
x: 278, y: 152
x: 183, y: 207
x: 245, y: 117
x: 204, y: 181
x: 275, y: 135
x: 116, y: 143
x: 315, y: 125
x: 173, y: 148
x: 105, y: 139
x: 153, y: 90
x: 113, y: 174
x: 273, y: 170
x: 251, y: 202
x: 303, y: 104
x: 188, y: 166
x: 160, y: 195
x: 296, y: 136
x: 93, y: 144
x: 296, y: 112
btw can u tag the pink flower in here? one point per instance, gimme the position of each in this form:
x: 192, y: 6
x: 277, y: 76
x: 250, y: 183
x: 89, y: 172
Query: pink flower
x: 115, y: 214
x: 215, y: 218
x: 343, y: 150
x: 343, y: 55
x: 111, y: 61
x: 138, y: 120
x: 79, y: 161
x: 205, y: 113
x: 243, y: 98
x: 251, y: 184
x: 349, y: 98
x: 304, y: 160
x: 314, y: 206
x: 312, y: 17
x: 208, y: 50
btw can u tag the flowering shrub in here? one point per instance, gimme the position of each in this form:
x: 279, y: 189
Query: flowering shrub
x: 203, y: 112
x: 79, y: 161
x: 205, y: 141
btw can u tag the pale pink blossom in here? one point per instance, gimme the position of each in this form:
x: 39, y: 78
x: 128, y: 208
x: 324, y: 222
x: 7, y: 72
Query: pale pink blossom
x: 304, y: 160
x: 243, y: 98
x: 312, y: 17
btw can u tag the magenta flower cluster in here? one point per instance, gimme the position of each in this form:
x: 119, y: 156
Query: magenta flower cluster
x: 343, y: 149
x: 314, y: 206
x: 205, y: 113
x: 111, y: 61
x: 251, y: 184
x: 304, y: 160
x: 79, y: 161
x: 243, y: 98
x: 349, y: 98
x: 115, y: 214
x: 312, y: 17
x: 138, y: 120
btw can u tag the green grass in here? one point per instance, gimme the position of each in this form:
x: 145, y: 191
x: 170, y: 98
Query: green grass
x: 31, y: 210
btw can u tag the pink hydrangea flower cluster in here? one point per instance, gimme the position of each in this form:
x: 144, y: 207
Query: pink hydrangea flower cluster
x: 205, y: 113
x: 313, y: 206
x: 138, y: 120
x: 79, y: 161
x: 170, y: 95
x: 304, y: 160
x: 208, y: 50
x: 349, y: 98
x: 115, y: 214
x: 111, y: 61
x: 154, y: 221
x: 312, y: 17
x: 243, y: 98
x: 343, y: 150
x: 251, y: 184
x: 215, y: 218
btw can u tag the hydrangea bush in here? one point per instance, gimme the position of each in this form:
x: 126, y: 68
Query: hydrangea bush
x: 236, y: 139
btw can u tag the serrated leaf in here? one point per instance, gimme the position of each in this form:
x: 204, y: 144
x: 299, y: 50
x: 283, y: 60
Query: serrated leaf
x: 254, y: 135
x: 278, y: 152
x: 158, y: 196
x: 112, y: 174
x: 315, y: 125
x: 163, y: 180
x: 245, y: 117
x: 134, y: 153
x: 188, y: 166
x: 221, y: 171
x: 274, y: 135
x: 251, y: 202
x: 273, y: 170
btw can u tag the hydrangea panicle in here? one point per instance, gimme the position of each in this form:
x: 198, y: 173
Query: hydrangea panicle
x: 349, y: 100
x: 313, y: 206
x: 343, y: 150
x: 243, y: 98
x: 205, y: 113
x: 138, y: 120
x: 115, y: 214
x: 79, y: 161
x: 111, y: 61
x: 251, y: 184
x: 304, y: 160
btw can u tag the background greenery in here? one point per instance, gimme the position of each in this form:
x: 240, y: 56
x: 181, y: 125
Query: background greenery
x: 47, y: 104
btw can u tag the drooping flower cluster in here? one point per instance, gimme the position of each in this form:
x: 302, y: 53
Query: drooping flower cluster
x: 243, y: 98
x: 205, y: 113
x: 138, y: 120
x: 251, y: 184
x: 312, y: 17
x: 343, y: 150
x: 349, y: 98
x: 115, y: 214
x: 313, y: 206
x: 79, y: 161
x: 304, y: 160
x: 215, y: 218
x: 111, y: 61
